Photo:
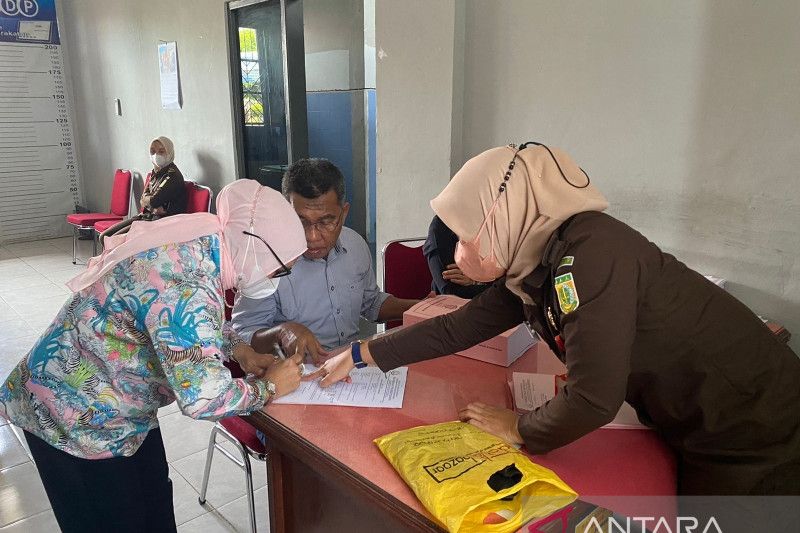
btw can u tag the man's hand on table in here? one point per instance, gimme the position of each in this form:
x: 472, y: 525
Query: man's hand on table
x: 498, y: 421
x: 297, y: 339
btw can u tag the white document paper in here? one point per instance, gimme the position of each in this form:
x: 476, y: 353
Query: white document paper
x: 626, y: 419
x: 532, y: 390
x: 370, y: 388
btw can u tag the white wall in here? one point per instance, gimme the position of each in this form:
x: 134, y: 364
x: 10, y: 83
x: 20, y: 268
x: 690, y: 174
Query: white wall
x: 334, y: 44
x: 414, y: 75
x: 112, y: 52
x: 369, y: 43
x: 685, y: 114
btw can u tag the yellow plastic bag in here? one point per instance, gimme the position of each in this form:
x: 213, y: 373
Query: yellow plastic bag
x: 452, y: 468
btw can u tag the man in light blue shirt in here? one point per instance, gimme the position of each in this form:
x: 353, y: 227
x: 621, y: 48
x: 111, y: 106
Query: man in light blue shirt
x: 333, y: 284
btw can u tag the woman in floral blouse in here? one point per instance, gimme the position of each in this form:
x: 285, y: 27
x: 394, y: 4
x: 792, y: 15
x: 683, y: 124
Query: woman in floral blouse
x: 145, y: 327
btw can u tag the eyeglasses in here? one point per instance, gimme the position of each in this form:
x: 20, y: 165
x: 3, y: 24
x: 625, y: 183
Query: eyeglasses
x: 285, y: 270
x: 322, y: 226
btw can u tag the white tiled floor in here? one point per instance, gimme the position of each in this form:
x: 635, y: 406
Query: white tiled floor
x: 32, y: 277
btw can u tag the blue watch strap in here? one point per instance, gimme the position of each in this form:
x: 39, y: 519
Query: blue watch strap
x: 355, y: 349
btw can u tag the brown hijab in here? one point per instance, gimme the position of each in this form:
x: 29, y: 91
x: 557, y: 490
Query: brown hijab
x: 537, y: 200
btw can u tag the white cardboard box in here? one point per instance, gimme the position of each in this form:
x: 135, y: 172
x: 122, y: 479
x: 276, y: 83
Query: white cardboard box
x: 501, y: 350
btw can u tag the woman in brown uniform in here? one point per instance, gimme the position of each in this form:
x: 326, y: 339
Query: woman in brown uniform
x: 630, y: 321
x: 165, y: 193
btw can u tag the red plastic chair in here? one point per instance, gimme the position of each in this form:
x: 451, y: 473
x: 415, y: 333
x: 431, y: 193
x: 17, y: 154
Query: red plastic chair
x: 198, y: 198
x: 241, y: 435
x: 101, y: 226
x: 405, y: 271
x: 198, y: 201
x: 120, y: 200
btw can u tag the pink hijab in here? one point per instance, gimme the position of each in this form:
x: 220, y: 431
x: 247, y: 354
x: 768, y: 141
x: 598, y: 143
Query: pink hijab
x: 244, y: 205
x: 537, y: 200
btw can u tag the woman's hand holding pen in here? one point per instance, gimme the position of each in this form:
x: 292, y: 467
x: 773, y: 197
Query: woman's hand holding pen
x: 251, y: 361
x: 285, y: 374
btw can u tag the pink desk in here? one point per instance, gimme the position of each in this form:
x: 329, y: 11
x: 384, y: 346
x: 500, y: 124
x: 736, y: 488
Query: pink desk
x: 325, y: 473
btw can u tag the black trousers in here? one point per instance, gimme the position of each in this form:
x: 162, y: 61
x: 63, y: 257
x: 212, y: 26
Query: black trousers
x: 121, y: 494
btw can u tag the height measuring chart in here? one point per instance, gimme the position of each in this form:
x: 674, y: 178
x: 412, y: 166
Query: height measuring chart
x: 39, y: 183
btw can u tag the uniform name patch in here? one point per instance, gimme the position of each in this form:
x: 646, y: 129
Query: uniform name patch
x: 567, y: 293
x: 566, y: 261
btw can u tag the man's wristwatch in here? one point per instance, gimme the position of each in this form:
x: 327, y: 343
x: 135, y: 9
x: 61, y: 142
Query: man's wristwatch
x: 355, y: 349
x: 271, y: 390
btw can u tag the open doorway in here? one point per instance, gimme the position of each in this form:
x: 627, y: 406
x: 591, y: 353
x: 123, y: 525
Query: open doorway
x: 265, y: 40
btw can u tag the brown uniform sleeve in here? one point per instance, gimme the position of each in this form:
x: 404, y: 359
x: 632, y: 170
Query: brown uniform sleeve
x: 598, y: 337
x: 493, y: 312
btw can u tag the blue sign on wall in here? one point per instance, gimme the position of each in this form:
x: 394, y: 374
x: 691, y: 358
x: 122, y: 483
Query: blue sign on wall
x: 28, y: 21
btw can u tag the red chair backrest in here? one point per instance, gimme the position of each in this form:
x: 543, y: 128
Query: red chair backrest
x: 405, y: 272
x: 198, y: 199
x: 121, y: 193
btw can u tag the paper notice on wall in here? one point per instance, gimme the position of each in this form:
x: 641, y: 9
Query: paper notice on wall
x: 170, y: 78
x: 369, y: 388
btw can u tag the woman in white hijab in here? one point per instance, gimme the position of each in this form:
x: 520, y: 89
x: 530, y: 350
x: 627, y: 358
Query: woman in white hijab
x: 165, y: 193
x: 144, y: 328
x: 629, y: 321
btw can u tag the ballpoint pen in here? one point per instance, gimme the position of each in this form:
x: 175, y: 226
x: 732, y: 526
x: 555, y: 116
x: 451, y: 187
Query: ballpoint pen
x: 280, y: 353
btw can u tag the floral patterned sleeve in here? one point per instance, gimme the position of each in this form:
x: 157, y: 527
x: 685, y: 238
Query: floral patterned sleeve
x: 186, y: 326
x: 230, y: 340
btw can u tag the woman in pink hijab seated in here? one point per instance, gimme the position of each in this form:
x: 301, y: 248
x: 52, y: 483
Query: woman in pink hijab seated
x: 144, y: 328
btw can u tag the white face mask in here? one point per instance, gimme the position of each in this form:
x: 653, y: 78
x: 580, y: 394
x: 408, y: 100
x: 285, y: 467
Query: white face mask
x: 159, y: 160
x: 259, y: 285
x: 261, y: 288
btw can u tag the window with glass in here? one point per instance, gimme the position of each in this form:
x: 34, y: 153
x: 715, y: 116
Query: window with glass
x: 252, y: 86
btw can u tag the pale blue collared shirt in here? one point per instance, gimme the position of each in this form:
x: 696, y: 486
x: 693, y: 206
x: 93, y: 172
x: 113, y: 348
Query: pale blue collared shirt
x: 328, y: 296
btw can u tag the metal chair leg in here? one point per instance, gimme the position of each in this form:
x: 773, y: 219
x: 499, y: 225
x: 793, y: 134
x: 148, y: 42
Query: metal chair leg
x: 212, y: 441
x: 74, y: 245
x: 243, y: 463
x: 94, y: 243
x: 248, y: 474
